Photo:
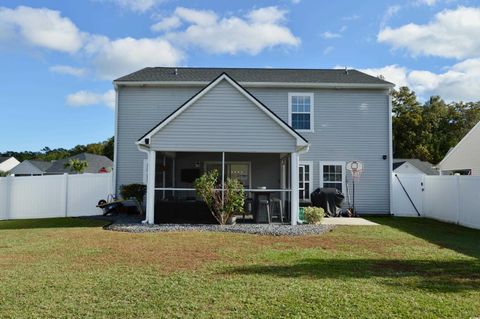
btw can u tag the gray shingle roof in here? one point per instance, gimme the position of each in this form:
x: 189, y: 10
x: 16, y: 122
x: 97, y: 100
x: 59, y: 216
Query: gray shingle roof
x: 31, y: 167
x: 41, y: 165
x: 95, y: 163
x: 339, y: 76
x: 425, y: 167
x: 4, y: 158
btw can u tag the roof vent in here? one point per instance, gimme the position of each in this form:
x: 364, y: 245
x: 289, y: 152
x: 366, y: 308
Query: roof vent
x: 346, y: 70
x: 175, y: 72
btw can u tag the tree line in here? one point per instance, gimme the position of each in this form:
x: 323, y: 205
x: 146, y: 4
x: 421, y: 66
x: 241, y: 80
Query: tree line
x: 48, y: 154
x: 427, y: 131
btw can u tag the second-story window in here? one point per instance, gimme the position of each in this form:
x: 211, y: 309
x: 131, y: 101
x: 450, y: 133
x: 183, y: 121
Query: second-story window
x: 300, y: 109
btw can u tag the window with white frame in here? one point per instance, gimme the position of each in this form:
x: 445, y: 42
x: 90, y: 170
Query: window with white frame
x: 305, y: 186
x: 300, y: 111
x: 332, y: 175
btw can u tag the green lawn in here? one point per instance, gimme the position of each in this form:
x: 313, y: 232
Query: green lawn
x: 405, y: 268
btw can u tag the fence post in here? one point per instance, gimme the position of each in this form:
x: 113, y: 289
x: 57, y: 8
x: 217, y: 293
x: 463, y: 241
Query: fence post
x: 65, y: 193
x: 8, y: 196
x: 424, y: 196
x: 457, y: 177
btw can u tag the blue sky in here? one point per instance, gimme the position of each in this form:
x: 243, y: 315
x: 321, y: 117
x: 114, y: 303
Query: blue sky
x: 58, y: 58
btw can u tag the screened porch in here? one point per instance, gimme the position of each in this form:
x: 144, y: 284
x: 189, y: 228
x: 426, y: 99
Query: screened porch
x: 264, y: 176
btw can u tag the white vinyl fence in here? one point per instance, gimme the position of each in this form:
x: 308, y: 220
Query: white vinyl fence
x: 453, y: 199
x: 53, y: 195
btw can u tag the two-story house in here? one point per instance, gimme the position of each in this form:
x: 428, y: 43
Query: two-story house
x: 281, y: 132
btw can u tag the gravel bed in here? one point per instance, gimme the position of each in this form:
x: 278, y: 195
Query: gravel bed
x: 258, y: 229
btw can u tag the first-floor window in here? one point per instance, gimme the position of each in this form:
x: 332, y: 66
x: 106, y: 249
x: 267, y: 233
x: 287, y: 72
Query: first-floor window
x: 304, y: 180
x: 332, y: 175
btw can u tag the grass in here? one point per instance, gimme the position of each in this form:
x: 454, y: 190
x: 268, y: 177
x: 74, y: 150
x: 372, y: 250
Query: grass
x: 72, y: 268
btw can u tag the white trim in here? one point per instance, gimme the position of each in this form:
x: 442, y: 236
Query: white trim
x: 223, y: 179
x: 262, y: 84
x: 340, y: 163
x: 390, y: 151
x: 300, y: 142
x: 294, y: 200
x: 477, y: 126
x: 115, y: 144
x: 310, y: 180
x: 312, y: 110
x: 150, y: 215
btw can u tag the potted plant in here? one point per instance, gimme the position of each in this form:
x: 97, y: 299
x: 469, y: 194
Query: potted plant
x: 223, y: 209
x: 313, y: 215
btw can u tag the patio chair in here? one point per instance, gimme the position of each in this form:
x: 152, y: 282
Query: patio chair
x: 276, y: 208
x: 248, y: 208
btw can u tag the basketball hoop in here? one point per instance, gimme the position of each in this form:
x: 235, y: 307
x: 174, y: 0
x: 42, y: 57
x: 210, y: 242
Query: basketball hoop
x: 355, y: 168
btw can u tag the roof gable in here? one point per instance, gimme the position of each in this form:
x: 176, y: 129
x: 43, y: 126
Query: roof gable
x: 300, y: 140
x: 472, y: 137
x: 422, y: 166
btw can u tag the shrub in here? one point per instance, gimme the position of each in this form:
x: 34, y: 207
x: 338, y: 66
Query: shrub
x: 313, y: 215
x: 207, y: 187
x: 136, y: 191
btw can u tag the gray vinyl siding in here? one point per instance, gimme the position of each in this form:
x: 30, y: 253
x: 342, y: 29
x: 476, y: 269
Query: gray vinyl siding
x: 224, y: 120
x: 139, y: 110
x: 348, y: 125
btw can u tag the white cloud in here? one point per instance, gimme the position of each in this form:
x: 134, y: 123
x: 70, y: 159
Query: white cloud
x: 460, y: 82
x: 66, y: 69
x: 40, y: 27
x: 113, y: 58
x: 391, y: 12
x: 136, y: 5
x: 199, y: 17
x: 109, y: 58
x: 327, y: 50
x: 425, y: 2
x: 87, y: 98
x: 296, y: 1
x: 267, y: 15
x: 451, y: 34
x: 166, y: 24
x: 392, y: 73
x: 352, y: 17
x: 259, y: 29
x: 330, y: 35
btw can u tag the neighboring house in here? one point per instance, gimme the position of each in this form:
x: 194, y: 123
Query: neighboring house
x: 464, y: 158
x: 31, y: 168
x: 7, y: 163
x: 413, y: 166
x: 96, y: 164
x: 289, y: 131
